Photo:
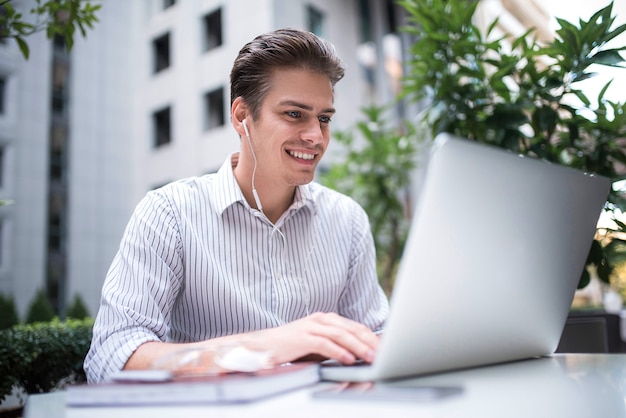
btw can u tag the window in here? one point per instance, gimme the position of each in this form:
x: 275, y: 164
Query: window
x: 58, y: 102
x: 365, y: 21
x: 213, y: 30
x: 315, y: 20
x: 3, y: 88
x: 58, y: 148
x: 3, y: 14
x: 1, y: 166
x: 60, y: 73
x: 214, y: 105
x: 161, y: 51
x: 1, y: 241
x: 161, y: 121
x: 59, y: 43
x: 56, y: 212
x: 168, y: 3
x: 56, y: 168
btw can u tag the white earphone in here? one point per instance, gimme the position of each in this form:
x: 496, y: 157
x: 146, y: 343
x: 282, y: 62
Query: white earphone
x: 245, y: 128
x: 254, y: 192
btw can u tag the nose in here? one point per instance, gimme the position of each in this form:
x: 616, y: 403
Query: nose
x: 313, y: 132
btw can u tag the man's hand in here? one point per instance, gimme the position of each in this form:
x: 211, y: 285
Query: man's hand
x: 321, y: 334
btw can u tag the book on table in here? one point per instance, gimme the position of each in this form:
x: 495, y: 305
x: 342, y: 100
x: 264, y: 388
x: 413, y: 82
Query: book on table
x: 164, y: 388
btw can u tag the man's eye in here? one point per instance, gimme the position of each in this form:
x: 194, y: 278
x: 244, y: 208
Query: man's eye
x: 324, y: 119
x: 294, y: 114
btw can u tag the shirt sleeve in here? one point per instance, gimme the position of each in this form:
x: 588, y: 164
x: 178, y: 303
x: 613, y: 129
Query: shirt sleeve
x: 363, y: 299
x: 139, y: 290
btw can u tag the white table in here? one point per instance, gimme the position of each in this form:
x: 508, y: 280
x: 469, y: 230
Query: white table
x: 568, y: 385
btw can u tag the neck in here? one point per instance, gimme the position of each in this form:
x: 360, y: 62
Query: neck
x: 275, y: 202
x: 275, y: 198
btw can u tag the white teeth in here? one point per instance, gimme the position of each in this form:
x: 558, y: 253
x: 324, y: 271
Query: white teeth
x: 302, y: 155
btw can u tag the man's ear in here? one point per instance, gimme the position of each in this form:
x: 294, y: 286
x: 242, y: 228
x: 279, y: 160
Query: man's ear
x: 238, y: 112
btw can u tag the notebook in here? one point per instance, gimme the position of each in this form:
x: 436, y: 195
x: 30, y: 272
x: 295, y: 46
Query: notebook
x: 164, y: 388
x: 495, y: 251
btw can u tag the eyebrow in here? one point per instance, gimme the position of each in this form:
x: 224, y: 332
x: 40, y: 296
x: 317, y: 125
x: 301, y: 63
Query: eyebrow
x: 304, y: 106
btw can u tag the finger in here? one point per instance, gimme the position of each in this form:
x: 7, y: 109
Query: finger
x: 348, y: 331
x: 322, y: 345
x: 347, y: 342
x: 344, y: 340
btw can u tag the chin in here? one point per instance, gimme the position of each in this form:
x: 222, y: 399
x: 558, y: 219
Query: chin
x: 301, y: 181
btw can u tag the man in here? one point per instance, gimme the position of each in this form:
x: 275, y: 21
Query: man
x: 256, y: 253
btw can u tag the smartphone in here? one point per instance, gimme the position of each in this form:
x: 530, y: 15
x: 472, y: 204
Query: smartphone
x: 141, y: 376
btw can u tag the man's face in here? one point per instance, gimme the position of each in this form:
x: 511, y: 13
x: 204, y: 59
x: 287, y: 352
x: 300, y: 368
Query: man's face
x: 292, y: 130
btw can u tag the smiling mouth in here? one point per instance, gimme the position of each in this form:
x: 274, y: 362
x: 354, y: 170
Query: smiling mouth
x: 301, y: 155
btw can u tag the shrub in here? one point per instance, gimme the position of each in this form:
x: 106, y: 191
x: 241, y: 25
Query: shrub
x: 40, y: 309
x: 43, y: 356
x: 8, y: 312
x: 525, y: 96
x: 376, y: 172
x: 77, y: 309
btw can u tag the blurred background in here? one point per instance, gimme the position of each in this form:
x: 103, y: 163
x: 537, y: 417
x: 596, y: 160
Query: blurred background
x: 144, y: 99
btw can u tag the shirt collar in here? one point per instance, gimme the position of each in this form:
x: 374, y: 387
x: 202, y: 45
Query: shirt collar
x: 227, y: 190
x: 302, y: 198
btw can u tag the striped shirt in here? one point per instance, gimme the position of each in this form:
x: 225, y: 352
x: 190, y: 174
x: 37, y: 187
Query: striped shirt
x: 197, y: 262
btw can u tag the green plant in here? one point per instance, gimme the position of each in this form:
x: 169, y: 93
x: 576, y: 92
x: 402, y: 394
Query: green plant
x: 56, y: 17
x: 40, y: 309
x: 376, y: 173
x: 8, y: 312
x: 523, y: 96
x: 77, y: 309
x: 42, y: 356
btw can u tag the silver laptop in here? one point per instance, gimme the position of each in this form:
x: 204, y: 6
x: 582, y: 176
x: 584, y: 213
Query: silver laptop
x: 495, y: 251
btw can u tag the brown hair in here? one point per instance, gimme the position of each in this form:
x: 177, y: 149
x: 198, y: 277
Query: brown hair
x: 290, y: 48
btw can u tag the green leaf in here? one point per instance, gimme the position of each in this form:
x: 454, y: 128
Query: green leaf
x: 493, y: 26
x: 604, y: 271
x: 570, y: 36
x: 522, y: 38
x: 582, y: 97
x: 616, y: 251
x: 583, y: 76
x: 23, y: 28
x: 545, y: 119
x: 609, y: 57
x: 585, y: 279
x: 614, y: 33
x: 603, y: 91
x: 21, y: 43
